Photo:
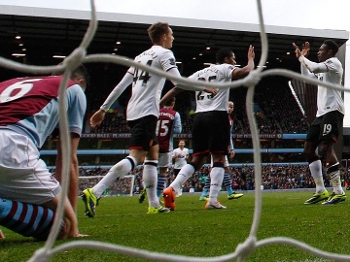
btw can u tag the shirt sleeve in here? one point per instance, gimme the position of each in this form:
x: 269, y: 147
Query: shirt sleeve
x: 173, y: 153
x: 168, y: 61
x: 177, y: 126
x: 229, y: 70
x: 313, y: 67
x: 76, y: 108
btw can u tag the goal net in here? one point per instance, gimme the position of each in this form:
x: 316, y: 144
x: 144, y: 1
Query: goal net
x: 243, y: 250
x: 305, y: 96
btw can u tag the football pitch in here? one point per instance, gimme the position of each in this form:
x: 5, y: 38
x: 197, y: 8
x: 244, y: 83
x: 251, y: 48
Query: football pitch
x: 193, y: 231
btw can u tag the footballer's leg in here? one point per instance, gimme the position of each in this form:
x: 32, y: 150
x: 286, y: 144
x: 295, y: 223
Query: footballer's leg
x: 217, y: 175
x: 205, y: 192
x: 231, y: 194
x: 26, y: 219
x: 91, y: 196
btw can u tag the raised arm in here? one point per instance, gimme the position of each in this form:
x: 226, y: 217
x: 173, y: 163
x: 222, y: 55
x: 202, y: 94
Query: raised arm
x: 307, y: 67
x: 170, y: 94
x: 239, y: 73
x: 97, y: 118
x: 305, y: 50
x: 73, y: 169
x: 177, y: 126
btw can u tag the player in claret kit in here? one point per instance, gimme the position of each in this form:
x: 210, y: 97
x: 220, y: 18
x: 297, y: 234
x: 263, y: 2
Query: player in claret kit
x: 29, y: 113
x: 169, y: 124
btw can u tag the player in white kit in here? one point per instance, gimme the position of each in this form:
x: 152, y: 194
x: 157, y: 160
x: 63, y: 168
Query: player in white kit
x: 231, y: 194
x: 142, y: 115
x: 180, y: 156
x: 211, y: 127
x: 324, y: 131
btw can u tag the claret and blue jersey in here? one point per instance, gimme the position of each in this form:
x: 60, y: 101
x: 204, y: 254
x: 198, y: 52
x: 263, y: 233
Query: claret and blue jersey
x: 30, y: 105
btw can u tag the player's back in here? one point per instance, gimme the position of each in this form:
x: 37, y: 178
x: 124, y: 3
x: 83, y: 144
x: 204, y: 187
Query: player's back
x: 147, y: 87
x: 216, y: 73
x: 164, y: 128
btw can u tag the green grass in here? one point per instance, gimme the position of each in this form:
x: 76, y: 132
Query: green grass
x: 193, y: 231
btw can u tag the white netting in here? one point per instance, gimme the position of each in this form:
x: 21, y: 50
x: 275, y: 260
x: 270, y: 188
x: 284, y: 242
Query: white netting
x: 243, y: 250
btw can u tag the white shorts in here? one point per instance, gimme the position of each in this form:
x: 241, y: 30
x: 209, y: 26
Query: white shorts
x: 24, y: 177
x: 164, y: 159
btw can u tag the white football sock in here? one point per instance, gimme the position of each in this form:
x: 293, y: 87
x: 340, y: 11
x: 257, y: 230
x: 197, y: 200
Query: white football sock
x: 316, y: 172
x: 217, y: 176
x: 185, y: 173
x: 336, y: 183
x: 122, y: 168
x: 150, y: 179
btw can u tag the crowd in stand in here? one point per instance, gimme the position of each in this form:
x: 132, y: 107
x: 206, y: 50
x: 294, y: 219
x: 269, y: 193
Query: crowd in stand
x: 273, y: 177
x: 272, y: 114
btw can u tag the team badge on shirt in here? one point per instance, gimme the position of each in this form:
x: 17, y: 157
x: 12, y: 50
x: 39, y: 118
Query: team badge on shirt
x: 172, y: 61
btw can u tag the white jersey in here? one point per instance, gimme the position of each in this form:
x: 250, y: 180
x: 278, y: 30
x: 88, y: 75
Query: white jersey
x: 147, y: 87
x: 215, y: 73
x: 330, y: 71
x: 180, y: 161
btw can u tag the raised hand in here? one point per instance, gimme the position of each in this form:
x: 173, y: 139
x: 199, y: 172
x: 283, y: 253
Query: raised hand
x: 297, y: 50
x: 305, y: 49
x: 251, y: 53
